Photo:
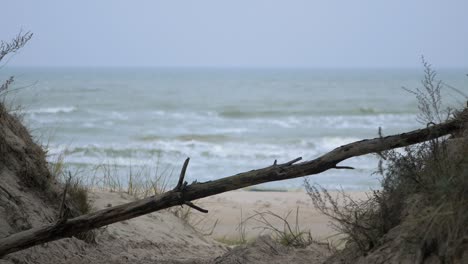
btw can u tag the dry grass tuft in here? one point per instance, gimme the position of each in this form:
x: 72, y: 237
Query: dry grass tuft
x: 360, y: 221
x: 280, y: 228
x: 289, y: 234
x: 137, y: 181
x: 78, y: 196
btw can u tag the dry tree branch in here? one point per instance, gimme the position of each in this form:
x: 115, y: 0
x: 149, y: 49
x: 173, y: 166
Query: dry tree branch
x: 277, y: 172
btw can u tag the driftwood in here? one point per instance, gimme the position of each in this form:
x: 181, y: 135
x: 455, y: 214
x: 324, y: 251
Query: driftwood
x: 184, y: 193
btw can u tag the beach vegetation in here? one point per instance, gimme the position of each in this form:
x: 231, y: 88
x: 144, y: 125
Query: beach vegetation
x: 279, y: 227
x: 136, y: 181
x: 424, y: 189
x: 286, y: 233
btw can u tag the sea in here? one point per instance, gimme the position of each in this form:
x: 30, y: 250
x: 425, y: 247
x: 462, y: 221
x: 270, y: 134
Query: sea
x: 227, y: 120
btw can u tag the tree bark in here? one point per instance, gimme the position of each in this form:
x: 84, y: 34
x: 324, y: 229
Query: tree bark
x: 184, y: 193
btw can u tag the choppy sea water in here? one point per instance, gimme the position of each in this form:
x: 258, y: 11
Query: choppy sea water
x: 226, y: 120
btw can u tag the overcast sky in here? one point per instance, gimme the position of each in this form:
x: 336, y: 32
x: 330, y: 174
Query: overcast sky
x: 239, y: 33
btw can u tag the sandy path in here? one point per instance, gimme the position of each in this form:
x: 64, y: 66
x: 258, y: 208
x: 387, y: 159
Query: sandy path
x: 228, y: 208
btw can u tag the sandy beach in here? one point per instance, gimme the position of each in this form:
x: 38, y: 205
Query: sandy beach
x: 231, y: 208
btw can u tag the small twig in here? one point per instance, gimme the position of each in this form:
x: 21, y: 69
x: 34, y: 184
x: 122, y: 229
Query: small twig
x: 190, y: 204
x: 430, y: 124
x: 379, y: 153
x: 344, y: 167
x: 182, y: 175
x: 282, y: 167
x: 181, y: 186
x: 289, y: 163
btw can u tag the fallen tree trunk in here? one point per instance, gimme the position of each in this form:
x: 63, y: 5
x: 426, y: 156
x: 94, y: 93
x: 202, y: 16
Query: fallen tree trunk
x: 184, y: 193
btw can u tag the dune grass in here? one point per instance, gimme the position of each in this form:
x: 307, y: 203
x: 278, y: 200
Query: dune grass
x: 291, y: 234
x: 137, y: 181
x: 284, y: 229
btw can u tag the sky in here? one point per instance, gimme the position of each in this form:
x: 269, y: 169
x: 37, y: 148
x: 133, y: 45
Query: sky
x: 239, y: 33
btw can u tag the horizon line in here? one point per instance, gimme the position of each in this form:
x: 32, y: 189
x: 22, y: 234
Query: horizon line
x: 233, y: 67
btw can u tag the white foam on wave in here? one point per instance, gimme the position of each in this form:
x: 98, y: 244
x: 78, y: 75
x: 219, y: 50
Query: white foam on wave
x: 237, y: 152
x: 207, y: 119
x: 211, y: 160
x: 185, y: 115
x: 52, y: 110
x: 230, y: 130
x: 293, y: 121
x: 341, y: 121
